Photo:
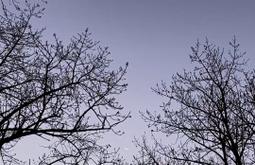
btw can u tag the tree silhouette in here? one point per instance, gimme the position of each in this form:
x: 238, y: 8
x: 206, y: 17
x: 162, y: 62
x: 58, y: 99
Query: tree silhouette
x: 64, y: 94
x: 210, y: 111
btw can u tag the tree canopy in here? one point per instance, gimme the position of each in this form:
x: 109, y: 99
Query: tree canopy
x: 210, y: 111
x: 62, y: 93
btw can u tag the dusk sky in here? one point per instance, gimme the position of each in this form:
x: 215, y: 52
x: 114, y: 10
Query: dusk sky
x: 155, y: 38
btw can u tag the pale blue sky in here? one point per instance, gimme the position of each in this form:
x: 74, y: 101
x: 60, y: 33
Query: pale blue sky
x: 154, y: 36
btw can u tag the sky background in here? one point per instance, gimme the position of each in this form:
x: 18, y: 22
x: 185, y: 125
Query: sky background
x: 155, y: 37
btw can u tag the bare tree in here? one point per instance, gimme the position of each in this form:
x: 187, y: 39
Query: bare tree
x: 210, y: 111
x: 148, y: 155
x: 65, y: 94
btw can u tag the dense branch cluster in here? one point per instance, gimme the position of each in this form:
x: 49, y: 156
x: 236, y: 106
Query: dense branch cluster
x: 210, y: 109
x: 61, y: 92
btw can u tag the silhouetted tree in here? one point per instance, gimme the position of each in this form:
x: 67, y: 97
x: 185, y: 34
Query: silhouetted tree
x: 147, y: 154
x: 63, y: 93
x: 210, y: 112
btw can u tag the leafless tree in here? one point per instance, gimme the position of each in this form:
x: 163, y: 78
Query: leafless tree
x: 63, y: 93
x: 209, y: 112
x: 147, y: 153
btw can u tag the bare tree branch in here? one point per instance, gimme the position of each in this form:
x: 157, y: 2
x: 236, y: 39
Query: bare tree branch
x: 66, y: 93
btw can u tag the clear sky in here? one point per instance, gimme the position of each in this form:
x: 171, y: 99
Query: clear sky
x: 154, y: 36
